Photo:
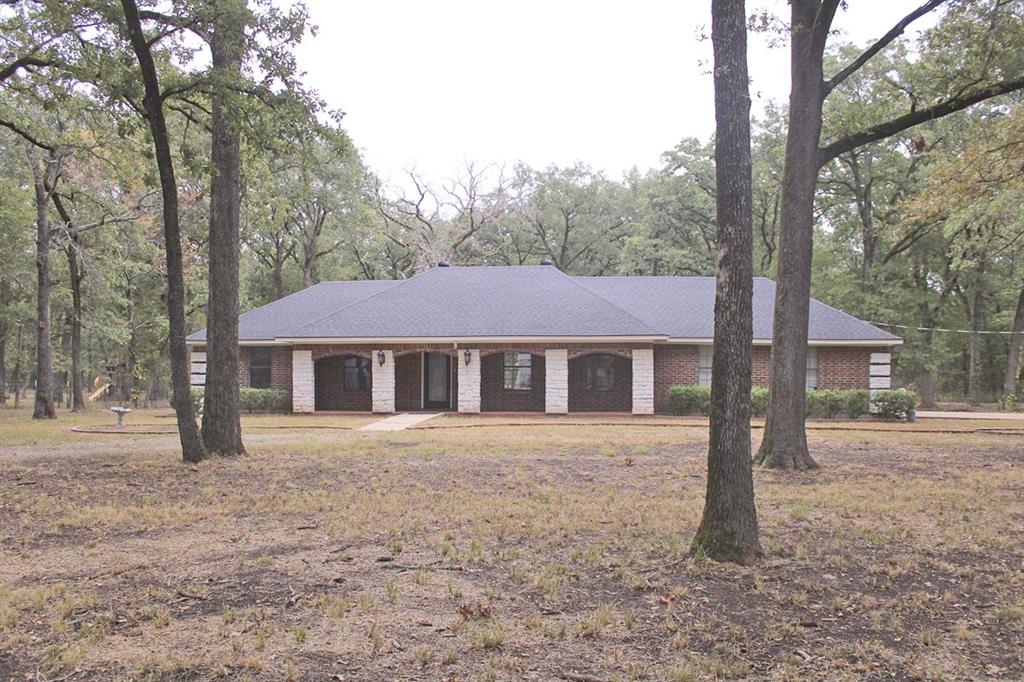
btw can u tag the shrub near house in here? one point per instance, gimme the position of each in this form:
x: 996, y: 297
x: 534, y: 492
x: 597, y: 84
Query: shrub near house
x: 256, y: 400
x: 828, y: 404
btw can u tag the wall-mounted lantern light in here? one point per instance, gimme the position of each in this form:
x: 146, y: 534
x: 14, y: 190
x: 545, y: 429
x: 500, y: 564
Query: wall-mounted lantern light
x: 380, y: 358
x: 467, y: 356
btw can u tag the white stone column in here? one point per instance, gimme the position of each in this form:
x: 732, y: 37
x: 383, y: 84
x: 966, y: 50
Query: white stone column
x: 643, y: 381
x: 556, y: 381
x: 879, y: 376
x: 198, y: 369
x: 303, y: 381
x: 469, y: 381
x: 383, y: 381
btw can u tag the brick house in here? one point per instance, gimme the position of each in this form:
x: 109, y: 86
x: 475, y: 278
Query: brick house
x: 519, y: 339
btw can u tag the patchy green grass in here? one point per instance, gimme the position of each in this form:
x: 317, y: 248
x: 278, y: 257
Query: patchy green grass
x: 503, y: 552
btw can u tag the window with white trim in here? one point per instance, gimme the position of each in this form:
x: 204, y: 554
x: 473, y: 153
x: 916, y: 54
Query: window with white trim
x: 704, y: 357
x: 812, y: 368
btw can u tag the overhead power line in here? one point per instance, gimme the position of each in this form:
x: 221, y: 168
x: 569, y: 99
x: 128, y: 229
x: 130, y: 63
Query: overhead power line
x: 940, y: 329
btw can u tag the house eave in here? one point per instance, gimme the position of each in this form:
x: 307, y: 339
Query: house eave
x: 242, y: 342
x: 396, y: 340
x: 456, y: 340
x: 874, y: 343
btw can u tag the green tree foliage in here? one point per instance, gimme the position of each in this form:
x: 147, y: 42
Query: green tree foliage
x: 919, y: 229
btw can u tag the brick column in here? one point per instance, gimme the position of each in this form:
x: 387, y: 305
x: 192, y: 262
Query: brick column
x: 383, y: 381
x: 469, y: 381
x: 198, y: 369
x: 303, y: 378
x: 556, y: 381
x: 643, y: 381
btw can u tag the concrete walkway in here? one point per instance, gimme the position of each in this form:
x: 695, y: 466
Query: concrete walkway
x: 399, y: 422
x: 939, y: 414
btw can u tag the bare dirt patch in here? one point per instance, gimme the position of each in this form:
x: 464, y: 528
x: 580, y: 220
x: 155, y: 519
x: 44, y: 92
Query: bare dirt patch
x: 549, y: 552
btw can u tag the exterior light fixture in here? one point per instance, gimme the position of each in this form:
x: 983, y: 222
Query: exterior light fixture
x: 380, y: 358
x: 467, y: 356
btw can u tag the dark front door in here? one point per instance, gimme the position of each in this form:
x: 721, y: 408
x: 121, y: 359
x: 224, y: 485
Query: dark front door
x: 437, y: 371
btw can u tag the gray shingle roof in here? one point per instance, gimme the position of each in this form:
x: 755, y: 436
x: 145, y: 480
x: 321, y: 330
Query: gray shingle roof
x: 524, y: 301
x: 463, y: 302
x: 284, y: 315
x: 684, y: 308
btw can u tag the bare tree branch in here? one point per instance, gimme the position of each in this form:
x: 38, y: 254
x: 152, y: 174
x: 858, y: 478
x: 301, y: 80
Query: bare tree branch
x: 879, y: 45
x: 913, y: 118
x: 24, y: 62
x: 25, y: 135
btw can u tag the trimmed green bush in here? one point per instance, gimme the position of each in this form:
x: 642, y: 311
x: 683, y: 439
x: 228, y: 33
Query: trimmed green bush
x: 253, y: 400
x: 758, y: 402
x: 827, y: 403
x: 856, y: 402
x: 690, y: 399
x: 265, y: 400
x: 831, y: 403
x: 811, y: 402
x: 894, y: 404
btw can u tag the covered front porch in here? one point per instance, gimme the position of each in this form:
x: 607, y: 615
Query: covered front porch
x: 474, y: 378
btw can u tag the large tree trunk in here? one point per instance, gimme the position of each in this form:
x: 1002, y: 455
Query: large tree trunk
x: 188, y: 431
x: 124, y: 381
x: 784, y: 445
x: 863, y: 184
x: 65, y: 350
x: 1013, y: 355
x: 278, y: 273
x: 728, y: 528
x: 925, y: 381
x: 16, y: 372
x: 222, y: 429
x: 3, y: 362
x: 44, y: 407
x: 75, y: 276
x: 309, y: 275
x: 976, y: 314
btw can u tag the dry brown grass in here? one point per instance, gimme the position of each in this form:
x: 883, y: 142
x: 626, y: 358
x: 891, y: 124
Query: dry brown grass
x: 502, y: 553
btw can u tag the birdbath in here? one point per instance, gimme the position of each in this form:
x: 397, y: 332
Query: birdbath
x: 120, y: 412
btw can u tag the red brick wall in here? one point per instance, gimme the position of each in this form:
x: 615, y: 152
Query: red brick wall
x: 762, y: 366
x: 325, y: 351
x: 618, y: 400
x: 838, y: 368
x: 330, y: 387
x: 494, y: 397
x: 409, y: 372
x: 842, y: 368
x: 280, y: 367
x: 673, y: 366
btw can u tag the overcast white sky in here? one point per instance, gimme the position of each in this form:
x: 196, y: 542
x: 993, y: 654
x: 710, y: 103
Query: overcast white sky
x: 432, y: 83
